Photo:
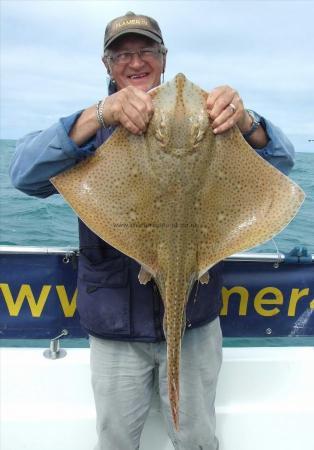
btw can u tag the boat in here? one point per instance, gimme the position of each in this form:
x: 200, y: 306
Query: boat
x: 265, y: 394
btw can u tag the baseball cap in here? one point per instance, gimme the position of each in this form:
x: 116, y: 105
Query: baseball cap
x: 132, y: 23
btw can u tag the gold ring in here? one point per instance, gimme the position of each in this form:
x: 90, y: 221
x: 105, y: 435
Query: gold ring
x: 232, y: 107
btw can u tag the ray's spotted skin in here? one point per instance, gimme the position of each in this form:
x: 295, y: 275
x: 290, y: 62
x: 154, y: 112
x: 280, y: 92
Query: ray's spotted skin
x: 179, y: 199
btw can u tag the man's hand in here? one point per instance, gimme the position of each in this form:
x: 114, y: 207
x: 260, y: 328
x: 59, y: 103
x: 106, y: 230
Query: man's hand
x: 130, y: 107
x: 225, y: 107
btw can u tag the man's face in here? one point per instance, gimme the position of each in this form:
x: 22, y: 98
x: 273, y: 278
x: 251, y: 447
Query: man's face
x: 143, y: 74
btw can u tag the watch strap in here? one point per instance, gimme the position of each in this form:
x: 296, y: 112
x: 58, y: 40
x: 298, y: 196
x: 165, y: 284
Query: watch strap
x: 255, y: 124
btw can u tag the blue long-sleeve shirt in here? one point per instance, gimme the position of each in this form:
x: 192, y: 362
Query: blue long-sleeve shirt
x: 43, y: 154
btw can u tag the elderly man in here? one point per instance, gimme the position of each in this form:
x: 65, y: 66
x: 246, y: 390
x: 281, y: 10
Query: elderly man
x: 122, y: 317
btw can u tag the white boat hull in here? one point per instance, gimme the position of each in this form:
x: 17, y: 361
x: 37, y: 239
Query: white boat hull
x: 265, y: 399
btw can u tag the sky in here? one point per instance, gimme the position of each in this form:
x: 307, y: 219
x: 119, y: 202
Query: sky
x: 51, y: 57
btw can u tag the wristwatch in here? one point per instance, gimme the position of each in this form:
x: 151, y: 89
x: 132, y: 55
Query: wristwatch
x: 255, y: 124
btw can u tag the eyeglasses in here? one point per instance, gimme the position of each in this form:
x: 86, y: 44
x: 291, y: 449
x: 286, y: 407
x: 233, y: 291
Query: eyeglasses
x: 146, y: 54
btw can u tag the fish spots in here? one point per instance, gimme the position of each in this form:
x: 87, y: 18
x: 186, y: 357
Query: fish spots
x: 204, y: 230
x: 158, y: 204
x: 132, y: 215
x: 221, y: 217
x: 134, y: 172
x: 238, y: 186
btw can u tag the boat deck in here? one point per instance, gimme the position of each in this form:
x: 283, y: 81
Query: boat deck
x: 265, y: 398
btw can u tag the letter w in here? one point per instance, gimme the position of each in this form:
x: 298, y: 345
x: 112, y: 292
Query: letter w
x: 68, y: 307
x: 25, y: 292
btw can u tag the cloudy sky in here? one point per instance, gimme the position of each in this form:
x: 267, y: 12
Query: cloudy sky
x: 51, y: 56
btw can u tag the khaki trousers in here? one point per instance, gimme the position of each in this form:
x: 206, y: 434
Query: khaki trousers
x: 123, y: 378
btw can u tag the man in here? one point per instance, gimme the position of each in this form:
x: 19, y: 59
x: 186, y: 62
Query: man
x: 122, y: 317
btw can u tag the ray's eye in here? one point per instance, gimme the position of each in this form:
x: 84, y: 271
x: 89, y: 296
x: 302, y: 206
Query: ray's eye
x: 197, y: 133
x: 161, y: 131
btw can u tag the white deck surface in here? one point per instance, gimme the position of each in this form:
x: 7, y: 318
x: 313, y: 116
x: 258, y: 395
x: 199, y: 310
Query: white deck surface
x: 265, y: 401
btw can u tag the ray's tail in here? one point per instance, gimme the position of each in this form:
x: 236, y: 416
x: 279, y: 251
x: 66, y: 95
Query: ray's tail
x: 174, y: 382
x: 174, y: 328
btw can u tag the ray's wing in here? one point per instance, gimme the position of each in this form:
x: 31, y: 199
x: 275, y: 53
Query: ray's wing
x: 244, y: 202
x: 114, y: 196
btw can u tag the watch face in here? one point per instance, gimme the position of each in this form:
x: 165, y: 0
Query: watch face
x: 256, y: 123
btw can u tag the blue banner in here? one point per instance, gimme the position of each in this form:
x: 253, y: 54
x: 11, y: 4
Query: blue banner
x: 261, y: 300
x: 38, y: 298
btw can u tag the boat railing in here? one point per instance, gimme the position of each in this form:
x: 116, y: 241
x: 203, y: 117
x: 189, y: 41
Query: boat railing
x: 278, y: 257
